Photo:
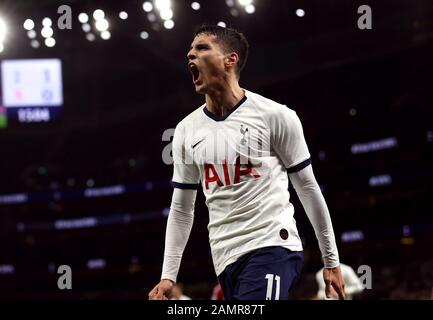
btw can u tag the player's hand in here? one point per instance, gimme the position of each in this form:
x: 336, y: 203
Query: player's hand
x: 161, y: 290
x: 334, y: 280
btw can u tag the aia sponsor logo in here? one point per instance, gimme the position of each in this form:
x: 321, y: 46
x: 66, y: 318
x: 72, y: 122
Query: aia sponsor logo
x: 240, y: 169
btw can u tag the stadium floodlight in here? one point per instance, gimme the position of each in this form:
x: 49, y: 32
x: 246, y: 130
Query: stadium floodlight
x: 195, y: 6
x: 28, y: 24
x: 300, y: 13
x: 123, y: 15
x: 31, y: 34
x: 147, y: 6
x: 245, y: 2
x: 83, y: 17
x: 90, y: 36
x: 162, y: 4
x: 144, y: 35
x: 151, y: 17
x: 35, y: 44
x: 166, y: 14
x: 222, y: 24
x: 101, y: 25
x: 250, y: 9
x: 47, y: 32
x: 105, y: 35
x: 47, y: 22
x: 234, y: 12
x: 98, y: 14
x: 50, y: 42
x: 169, y: 24
x: 86, y: 27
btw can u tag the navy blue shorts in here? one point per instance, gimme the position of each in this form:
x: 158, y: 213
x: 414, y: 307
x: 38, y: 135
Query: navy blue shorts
x: 263, y: 274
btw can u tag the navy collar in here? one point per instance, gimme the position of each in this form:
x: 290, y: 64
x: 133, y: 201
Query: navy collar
x: 224, y: 116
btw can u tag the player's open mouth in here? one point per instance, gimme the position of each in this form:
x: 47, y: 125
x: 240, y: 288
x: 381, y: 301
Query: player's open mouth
x: 194, y: 72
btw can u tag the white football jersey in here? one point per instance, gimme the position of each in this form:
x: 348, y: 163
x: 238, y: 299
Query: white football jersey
x: 241, y: 160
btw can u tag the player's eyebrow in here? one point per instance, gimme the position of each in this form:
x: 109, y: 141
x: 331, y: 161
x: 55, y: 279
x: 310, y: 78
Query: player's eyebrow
x: 204, y: 44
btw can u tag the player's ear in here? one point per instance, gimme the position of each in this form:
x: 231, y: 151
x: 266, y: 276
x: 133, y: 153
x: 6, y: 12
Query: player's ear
x: 231, y: 59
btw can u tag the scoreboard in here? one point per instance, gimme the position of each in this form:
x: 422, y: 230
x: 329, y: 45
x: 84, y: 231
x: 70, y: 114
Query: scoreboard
x: 31, y: 89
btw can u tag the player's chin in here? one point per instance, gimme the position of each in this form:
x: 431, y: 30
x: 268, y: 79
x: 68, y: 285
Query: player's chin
x: 200, y: 89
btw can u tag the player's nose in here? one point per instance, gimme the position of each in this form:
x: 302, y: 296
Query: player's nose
x: 191, y: 55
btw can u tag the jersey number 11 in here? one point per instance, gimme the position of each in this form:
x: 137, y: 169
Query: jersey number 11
x: 270, y: 278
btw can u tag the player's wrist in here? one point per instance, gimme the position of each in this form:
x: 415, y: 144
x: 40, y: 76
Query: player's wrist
x: 331, y: 264
x: 168, y: 280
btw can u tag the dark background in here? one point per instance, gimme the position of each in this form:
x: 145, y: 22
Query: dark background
x: 347, y: 86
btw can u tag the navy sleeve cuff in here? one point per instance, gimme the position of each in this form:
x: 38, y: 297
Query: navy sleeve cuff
x: 190, y: 186
x: 299, y: 166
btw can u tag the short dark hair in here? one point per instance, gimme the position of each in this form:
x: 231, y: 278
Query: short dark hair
x: 231, y: 40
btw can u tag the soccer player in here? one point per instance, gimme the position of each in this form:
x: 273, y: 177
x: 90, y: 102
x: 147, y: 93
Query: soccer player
x: 243, y: 148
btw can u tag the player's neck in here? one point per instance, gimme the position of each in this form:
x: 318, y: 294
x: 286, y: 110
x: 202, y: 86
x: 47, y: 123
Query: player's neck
x: 221, y: 101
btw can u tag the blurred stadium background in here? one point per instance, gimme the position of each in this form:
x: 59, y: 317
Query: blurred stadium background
x: 82, y: 177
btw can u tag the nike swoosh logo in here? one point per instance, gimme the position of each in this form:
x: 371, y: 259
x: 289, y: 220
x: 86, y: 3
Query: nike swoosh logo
x: 195, y: 145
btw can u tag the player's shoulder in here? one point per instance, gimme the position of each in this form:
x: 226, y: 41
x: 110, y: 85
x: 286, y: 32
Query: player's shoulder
x: 193, y: 118
x: 269, y: 107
